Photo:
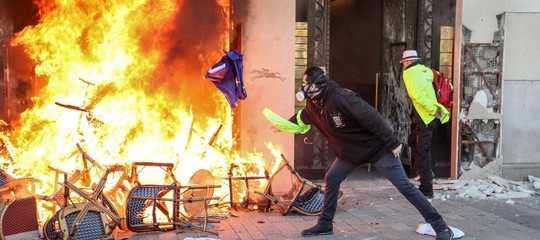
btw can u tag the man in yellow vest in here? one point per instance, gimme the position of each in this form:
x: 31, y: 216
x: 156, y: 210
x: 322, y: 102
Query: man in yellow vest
x: 427, y: 115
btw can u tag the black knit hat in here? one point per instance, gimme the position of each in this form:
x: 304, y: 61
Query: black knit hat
x: 316, y: 75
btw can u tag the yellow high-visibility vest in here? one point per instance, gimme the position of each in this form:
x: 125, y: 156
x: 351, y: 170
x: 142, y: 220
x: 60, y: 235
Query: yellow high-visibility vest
x: 419, y: 84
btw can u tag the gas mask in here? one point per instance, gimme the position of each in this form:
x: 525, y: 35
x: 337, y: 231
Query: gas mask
x: 303, y: 94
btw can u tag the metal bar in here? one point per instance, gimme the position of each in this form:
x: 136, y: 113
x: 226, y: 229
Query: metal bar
x: 376, y: 91
x: 475, y: 142
x: 168, y: 165
x: 482, y: 149
x: 189, y: 187
x: 245, y: 178
x: 189, y: 200
x: 188, y: 140
x: 231, y: 200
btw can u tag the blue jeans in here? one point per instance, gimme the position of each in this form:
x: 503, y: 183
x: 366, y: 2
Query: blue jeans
x: 391, y: 168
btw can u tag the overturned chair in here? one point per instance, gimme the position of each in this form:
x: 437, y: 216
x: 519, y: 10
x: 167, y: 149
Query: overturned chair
x: 12, y: 187
x: 304, y: 197
x: 154, y: 207
x: 94, y: 217
x: 19, y: 218
x: 18, y: 207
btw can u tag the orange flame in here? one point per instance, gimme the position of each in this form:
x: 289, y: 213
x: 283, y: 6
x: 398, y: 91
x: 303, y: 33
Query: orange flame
x: 132, y: 73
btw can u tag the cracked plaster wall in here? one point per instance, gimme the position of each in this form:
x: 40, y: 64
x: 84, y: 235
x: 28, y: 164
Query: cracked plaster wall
x: 510, y: 22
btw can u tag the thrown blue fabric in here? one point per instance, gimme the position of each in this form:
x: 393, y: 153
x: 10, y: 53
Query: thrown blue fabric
x: 227, y: 76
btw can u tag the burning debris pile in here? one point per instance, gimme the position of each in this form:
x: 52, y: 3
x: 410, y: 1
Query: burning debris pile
x: 135, y: 203
x: 118, y: 87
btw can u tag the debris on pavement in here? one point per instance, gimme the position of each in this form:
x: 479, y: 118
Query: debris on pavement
x: 492, y: 187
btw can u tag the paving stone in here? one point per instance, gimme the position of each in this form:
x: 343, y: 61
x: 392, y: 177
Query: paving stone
x: 376, y: 211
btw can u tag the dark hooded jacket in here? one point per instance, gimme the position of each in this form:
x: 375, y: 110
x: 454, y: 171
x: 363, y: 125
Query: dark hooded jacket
x: 355, y: 130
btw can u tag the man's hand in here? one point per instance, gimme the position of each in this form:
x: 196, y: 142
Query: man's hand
x: 397, y: 151
x: 438, y: 114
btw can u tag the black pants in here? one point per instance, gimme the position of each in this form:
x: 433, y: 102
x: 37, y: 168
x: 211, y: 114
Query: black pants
x: 422, y: 152
x: 391, y: 168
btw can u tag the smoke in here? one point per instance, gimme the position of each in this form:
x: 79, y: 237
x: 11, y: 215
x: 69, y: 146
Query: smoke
x: 194, y: 40
x: 21, y: 13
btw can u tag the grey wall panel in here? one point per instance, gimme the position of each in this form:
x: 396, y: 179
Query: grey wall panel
x: 521, y: 129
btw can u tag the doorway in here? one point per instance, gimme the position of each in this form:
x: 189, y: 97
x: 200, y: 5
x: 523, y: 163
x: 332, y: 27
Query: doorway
x: 351, y: 57
x: 356, y: 46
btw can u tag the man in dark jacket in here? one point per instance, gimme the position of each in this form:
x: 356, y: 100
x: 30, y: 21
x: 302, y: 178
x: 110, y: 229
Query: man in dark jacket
x: 358, y: 135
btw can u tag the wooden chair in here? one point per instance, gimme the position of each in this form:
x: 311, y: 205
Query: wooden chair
x: 72, y: 221
x: 155, y: 207
x: 304, y: 197
x: 93, y: 226
x: 11, y: 187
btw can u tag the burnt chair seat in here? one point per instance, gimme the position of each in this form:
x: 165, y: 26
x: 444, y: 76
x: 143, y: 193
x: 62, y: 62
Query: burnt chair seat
x: 94, y: 225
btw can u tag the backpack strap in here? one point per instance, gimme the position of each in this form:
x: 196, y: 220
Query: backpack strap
x: 435, y: 74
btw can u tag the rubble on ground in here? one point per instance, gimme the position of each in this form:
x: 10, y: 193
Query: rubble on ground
x: 471, y: 171
x: 492, y: 187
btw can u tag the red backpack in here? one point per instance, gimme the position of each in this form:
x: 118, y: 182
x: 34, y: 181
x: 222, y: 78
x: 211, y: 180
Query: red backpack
x: 443, y: 89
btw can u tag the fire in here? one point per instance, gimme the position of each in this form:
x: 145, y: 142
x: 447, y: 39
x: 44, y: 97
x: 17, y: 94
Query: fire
x: 125, y: 79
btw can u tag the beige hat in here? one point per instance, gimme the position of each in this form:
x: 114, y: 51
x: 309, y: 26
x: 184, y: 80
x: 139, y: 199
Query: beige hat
x: 409, y: 55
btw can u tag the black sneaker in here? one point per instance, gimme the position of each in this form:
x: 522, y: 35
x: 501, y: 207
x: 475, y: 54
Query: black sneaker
x: 318, y: 230
x: 447, y: 234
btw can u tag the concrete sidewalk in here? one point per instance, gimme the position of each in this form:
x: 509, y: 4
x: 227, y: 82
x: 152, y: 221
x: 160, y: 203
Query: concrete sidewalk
x: 373, y: 209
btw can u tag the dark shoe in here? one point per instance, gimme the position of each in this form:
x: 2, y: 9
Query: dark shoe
x: 447, y: 234
x: 318, y: 230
